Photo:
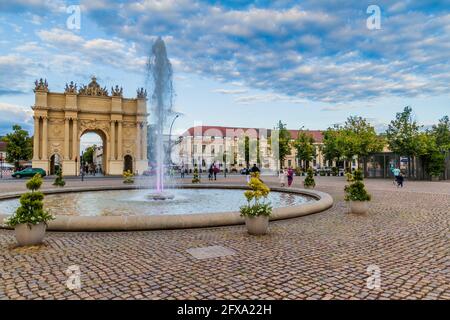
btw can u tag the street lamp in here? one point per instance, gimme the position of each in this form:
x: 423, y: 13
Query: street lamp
x: 82, y: 166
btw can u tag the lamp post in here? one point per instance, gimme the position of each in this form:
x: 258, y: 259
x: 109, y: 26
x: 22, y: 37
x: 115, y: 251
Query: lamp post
x: 170, y: 138
x: 82, y: 166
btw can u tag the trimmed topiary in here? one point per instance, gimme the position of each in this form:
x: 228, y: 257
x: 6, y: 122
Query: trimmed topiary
x: 59, y: 181
x: 31, y: 210
x: 309, y: 180
x: 195, y: 178
x: 356, y: 190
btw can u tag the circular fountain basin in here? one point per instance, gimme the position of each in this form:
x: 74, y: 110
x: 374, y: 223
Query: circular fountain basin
x: 189, y: 206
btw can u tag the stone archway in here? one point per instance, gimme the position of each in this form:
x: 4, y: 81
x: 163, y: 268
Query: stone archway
x: 128, y: 163
x: 60, y: 119
x: 104, y: 159
x: 55, y: 164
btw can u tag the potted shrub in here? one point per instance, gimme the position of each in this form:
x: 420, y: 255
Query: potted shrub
x: 30, y: 219
x: 298, y: 171
x: 59, y: 181
x: 309, y: 180
x: 128, y: 177
x: 257, y: 210
x: 357, y: 194
x: 195, y: 178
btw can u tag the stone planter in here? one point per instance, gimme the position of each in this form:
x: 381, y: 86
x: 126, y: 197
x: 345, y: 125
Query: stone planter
x: 434, y: 178
x: 359, y: 207
x: 257, y: 225
x: 30, y: 234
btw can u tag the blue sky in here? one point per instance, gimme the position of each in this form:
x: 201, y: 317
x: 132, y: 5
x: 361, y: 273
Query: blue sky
x: 238, y: 63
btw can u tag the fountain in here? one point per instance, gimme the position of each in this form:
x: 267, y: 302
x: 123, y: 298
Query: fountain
x: 160, y: 72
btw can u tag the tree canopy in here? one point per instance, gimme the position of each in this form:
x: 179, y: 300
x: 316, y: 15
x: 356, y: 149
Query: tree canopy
x: 19, y: 146
x: 305, y: 149
x: 402, y: 134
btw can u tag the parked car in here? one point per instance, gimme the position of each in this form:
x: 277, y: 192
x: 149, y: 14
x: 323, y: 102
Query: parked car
x: 29, y: 172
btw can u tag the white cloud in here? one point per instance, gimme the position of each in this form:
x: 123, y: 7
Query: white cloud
x: 230, y: 91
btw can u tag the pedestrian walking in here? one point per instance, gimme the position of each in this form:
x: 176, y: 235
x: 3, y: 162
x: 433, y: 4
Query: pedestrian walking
x: 395, y: 171
x: 210, y: 172
x: 400, y: 179
x: 215, y: 171
x: 290, y: 176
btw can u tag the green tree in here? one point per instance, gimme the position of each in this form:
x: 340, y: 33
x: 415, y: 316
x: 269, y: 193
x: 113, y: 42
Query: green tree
x: 305, y: 149
x: 284, y: 141
x: 331, y: 148
x: 88, y: 155
x: 402, y: 135
x: 360, y: 138
x: 441, y: 131
x: 19, y: 146
x: 433, y: 159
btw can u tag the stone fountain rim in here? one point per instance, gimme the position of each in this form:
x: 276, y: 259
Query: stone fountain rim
x: 175, y: 221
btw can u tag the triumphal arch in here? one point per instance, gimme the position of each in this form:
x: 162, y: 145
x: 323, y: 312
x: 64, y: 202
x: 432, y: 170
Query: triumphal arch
x: 60, y: 119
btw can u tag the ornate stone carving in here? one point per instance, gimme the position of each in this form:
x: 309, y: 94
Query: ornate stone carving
x: 71, y: 88
x: 57, y: 130
x: 93, y: 125
x: 93, y: 89
x: 141, y: 93
x: 56, y: 147
x: 117, y: 92
x: 41, y: 85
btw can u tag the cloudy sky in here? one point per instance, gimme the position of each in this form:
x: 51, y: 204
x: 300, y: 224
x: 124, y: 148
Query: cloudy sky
x: 237, y: 63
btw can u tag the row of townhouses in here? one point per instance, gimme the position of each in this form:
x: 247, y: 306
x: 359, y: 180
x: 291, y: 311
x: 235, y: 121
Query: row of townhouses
x: 225, y: 147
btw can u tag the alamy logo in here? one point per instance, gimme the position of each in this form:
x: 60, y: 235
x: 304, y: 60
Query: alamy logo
x: 74, y: 20
x: 373, y: 22
x: 74, y: 277
x: 374, y: 280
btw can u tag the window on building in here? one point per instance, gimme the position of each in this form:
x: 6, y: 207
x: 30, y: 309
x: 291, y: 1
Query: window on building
x: 289, y: 163
x: 203, y: 148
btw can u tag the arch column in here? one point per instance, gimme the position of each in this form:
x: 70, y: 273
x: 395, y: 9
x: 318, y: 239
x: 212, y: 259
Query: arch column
x: 66, y: 139
x: 138, y: 139
x: 74, y: 139
x: 36, y: 155
x: 119, y: 140
x: 113, y: 140
x: 44, y: 138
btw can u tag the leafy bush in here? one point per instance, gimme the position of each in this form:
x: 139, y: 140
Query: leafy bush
x: 322, y: 173
x: 335, y: 171
x: 195, y: 178
x: 59, y: 181
x: 436, y: 164
x: 128, y: 177
x: 309, y: 180
x: 31, y: 209
x: 349, y: 176
x: 298, y: 171
x: 256, y: 198
x: 356, y: 190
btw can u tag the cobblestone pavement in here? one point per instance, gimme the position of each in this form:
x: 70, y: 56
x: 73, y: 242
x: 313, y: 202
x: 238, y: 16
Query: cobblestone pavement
x: 321, y: 256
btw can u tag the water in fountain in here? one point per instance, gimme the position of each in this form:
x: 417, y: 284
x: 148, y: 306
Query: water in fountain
x: 160, y: 73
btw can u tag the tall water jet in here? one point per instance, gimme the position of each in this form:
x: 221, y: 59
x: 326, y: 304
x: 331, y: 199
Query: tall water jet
x: 159, y: 71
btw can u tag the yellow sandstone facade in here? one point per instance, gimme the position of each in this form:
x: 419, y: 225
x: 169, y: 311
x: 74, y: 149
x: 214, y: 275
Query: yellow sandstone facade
x: 60, y: 119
